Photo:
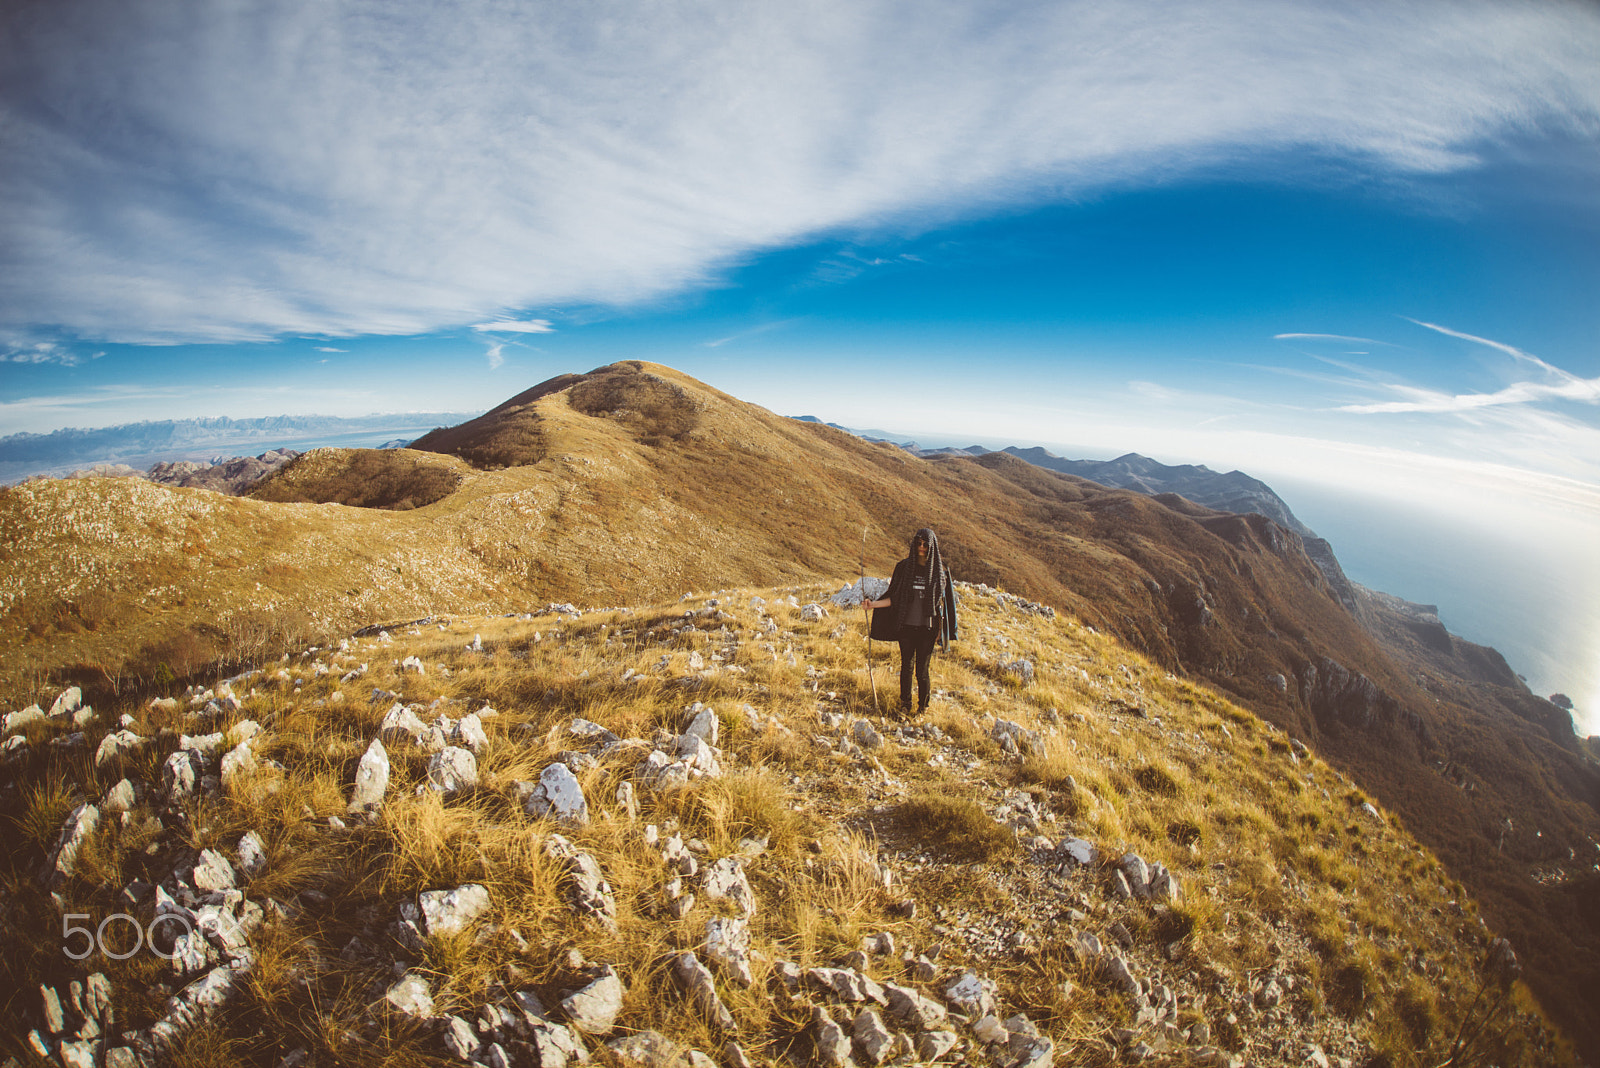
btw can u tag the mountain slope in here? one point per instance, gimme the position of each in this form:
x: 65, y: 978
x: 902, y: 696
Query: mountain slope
x: 637, y: 483
x: 644, y: 793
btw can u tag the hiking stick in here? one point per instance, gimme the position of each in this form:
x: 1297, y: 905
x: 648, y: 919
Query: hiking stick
x: 867, y: 614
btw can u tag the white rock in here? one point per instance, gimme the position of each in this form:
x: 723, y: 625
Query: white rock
x: 874, y: 1043
x: 973, y: 995
x: 15, y: 721
x: 728, y: 946
x: 850, y: 596
x: 865, y: 735
x: 931, y: 1045
x: 627, y: 801
x: 697, y: 983
x: 450, y: 911
x: 1079, y: 850
x: 67, y: 702
x: 660, y: 772
x: 452, y: 770
x: 700, y: 757
x: 647, y: 1049
x: 79, y: 825
x: 120, y: 798
x: 593, y: 1009
x: 411, y: 663
x: 238, y: 761
x: 252, y: 853
x: 813, y: 613
x: 558, y: 796
x: 459, y: 1038
x: 913, y: 1008
x: 726, y: 881
x: 412, y: 996
x: 990, y: 1030
x: 401, y: 724
x: 829, y: 1042
x: 704, y: 723
x: 470, y: 733
x: 372, y: 778
x: 205, y: 744
x: 848, y: 984
x: 213, y: 872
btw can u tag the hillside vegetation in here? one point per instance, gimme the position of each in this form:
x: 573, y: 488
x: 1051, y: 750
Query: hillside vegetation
x: 633, y: 483
x: 1075, y: 857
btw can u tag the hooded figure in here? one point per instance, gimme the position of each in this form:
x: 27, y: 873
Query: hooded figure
x: 921, y: 610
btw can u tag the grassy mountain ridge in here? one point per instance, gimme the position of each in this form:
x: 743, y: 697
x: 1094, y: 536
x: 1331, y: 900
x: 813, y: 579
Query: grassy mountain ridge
x: 636, y: 483
x: 1303, y: 921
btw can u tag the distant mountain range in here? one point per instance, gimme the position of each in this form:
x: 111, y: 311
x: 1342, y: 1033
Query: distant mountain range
x: 140, y: 445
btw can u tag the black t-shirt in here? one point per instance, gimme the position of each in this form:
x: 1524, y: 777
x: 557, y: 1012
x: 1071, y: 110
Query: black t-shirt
x: 920, y: 613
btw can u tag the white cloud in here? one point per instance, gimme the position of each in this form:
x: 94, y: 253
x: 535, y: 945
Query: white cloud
x: 496, y: 359
x: 45, y: 352
x: 1325, y: 337
x: 175, y: 173
x: 329, y: 348
x: 514, y: 326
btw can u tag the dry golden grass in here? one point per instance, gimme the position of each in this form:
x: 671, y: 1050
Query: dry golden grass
x: 1279, y: 869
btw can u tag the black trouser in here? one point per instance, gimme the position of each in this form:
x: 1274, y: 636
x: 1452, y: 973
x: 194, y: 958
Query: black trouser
x: 916, y: 646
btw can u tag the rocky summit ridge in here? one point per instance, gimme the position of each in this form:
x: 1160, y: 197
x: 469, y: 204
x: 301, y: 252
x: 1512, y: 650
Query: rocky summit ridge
x: 682, y: 834
x: 633, y: 482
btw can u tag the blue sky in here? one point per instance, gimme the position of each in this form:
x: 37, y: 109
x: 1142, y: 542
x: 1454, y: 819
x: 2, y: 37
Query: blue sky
x: 1352, y: 244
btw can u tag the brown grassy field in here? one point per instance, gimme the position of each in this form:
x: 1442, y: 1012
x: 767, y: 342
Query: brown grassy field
x: 1284, y: 876
x: 635, y: 484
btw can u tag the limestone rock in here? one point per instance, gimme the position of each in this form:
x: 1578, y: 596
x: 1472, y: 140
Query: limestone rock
x: 452, y: 770
x: 830, y: 1044
x: 726, y: 881
x: 450, y: 911
x: 180, y: 775
x: 67, y: 702
x: 813, y: 613
x: 79, y: 825
x: 372, y: 778
x: 728, y: 945
x: 931, y: 1045
x: 593, y: 1009
x: 412, y: 996
x: 112, y: 746
x: 703, y: 723
x: 469, y: 732
x: 701, y: 990
x: 913, y: 1008
x: 873, y: 1042
x: 212, y: 872
x: 558, y: 796
x: 237, y: 761
x: 400, y: 724
x: 865, y: 735
x: 1078, y: 851
x: 15, y: 721
x: 590, y: 893
x: 972, y: 994
x: 660, y: 772
x: 848, y: 985
x: 120, y: 798
x: 648, y: 1049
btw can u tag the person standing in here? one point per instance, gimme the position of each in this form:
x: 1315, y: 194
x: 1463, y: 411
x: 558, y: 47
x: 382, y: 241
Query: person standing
x: 922, y: 612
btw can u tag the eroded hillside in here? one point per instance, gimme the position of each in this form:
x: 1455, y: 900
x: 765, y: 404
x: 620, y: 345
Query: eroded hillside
x: 509, y: 840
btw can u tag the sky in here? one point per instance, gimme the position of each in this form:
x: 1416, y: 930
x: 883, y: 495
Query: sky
x: 1352, y: 247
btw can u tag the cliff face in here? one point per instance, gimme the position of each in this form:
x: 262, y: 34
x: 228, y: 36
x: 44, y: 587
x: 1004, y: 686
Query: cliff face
x: 634, y: 482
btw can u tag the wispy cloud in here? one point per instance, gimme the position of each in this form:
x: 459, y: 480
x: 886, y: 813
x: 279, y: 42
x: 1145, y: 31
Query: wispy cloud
x: 1557, y: 385
x: 329, y: 348
x: 340, y: 170
x: 496, y: 355
x: 516, y: 326
x: 45, y: 352
x: 752, y: 332
x: 1326, y: 337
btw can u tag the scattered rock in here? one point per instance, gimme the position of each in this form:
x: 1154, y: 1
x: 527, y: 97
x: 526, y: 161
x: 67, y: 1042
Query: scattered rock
x: 558, y: 796
x: 593, y: 1009
x: 372, y: 778
x: 452, y: 770
x: 412, y: 996
x: 726, y: 881
x: 701, y: 990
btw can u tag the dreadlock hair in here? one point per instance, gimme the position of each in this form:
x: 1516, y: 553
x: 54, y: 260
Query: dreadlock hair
x: 933, y: 571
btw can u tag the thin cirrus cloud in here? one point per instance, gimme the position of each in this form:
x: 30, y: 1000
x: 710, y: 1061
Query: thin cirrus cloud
x: 1558, y: 384
x: 515, y: 326
x: 342, y: 168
